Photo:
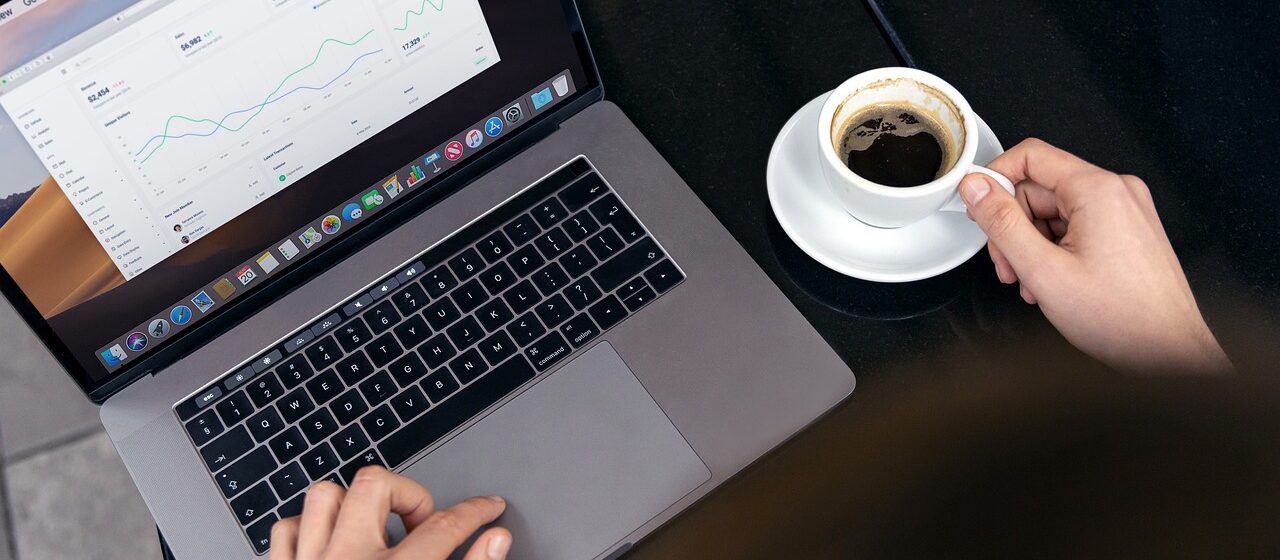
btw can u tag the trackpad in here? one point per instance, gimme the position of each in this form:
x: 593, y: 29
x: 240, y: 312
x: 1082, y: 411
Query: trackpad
x: 583, y: 458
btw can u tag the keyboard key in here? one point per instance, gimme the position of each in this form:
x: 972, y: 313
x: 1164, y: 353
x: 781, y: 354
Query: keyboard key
x: 355, y: 367
x: 580, y: 330
x: 582, y: 293
x: 468, y: 366
x: 526, y: 329
x: 498, y: 278
x: 226, y: 448
x: 493, y: 315
x: 367, y: 458
x: 360, y: 304
x: 235, y: 408
x: 260, y: 533
x: 295, y: 405
x: 610, y: 211
x: 288, y: 445
x: 265, y: 362
x: 325, y: 387
x: 409, y: 404
x: 548, y: 351
x: 407, y: 275
x: 437, y: 351
x: 384, y: 350
x: 382, y: 317
x: 439, y: 281
x: 526, y: 261
x: 289, y: 481
x: 353, y: 335
x: 291, y: 508
x: 407, y: 370
x: 319, y: 426
x: 608, y: 312
x: 549, y: 212
x: 412, y: 331
x: 495, y: 247
x: 265, y: 424
x: 553, y: 243
x: 435, y: 423
x: 240, y: 378
x: 326, y: 324
x: 442, y: 313
x: 497, y: 348
x: 349, y: 407
x: 522, y: 229
x: 323, y: 353
x: 464, y: 333
x: 439, y: 385
x: 245, y: 472
x: 632, y: 286
x: 578, y: 261
x: 605, y: 244
x: 204, y: 428
x: 637, y: 300
x: 627, y: 264
x: 264, y: 389
x: 319, y: 461
x: 294, y: 344
x: 380, y: 422
x: 378, y: 388
x: 663, y: 276
x: 254, y: 504
x: 350, y: 441
x: 522, y: 297
x: 553, y: 311
x: 295, y: 371
x: 410, y: 299
x: 583, y: 191
x: 467, y: 264
x: 384, y: 289
x: 470, y: 296
x: 581, y: 226
x: 550, y: 279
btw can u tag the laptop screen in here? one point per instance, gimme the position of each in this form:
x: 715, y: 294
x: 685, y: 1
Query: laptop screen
x: 165, y: 158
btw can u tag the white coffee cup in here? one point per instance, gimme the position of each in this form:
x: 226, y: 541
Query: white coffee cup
x: 894, y: 207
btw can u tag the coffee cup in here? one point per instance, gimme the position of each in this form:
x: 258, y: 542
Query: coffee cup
x: 924, y: 98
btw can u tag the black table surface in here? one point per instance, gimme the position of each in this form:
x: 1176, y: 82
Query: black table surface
x: 1181, y: 94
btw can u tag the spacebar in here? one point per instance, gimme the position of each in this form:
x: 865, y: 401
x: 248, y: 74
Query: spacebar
x: 418, y: 434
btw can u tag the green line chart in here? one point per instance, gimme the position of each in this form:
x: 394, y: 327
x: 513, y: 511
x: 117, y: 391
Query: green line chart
x: 419, y: 12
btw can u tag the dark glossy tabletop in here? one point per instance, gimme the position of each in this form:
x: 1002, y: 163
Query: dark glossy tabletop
x: 1184, y: 97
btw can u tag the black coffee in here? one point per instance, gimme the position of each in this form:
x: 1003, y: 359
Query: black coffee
x: 895, y: 146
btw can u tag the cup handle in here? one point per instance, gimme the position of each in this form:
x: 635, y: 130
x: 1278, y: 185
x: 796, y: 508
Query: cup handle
x: 956, y: 204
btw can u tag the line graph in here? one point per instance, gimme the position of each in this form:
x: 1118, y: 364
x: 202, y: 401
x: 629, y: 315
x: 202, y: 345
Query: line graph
x: 271, y: 98
x: 418, y: 12
x: 421, y: 25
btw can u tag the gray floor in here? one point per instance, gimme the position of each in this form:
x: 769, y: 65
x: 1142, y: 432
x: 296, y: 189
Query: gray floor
x: 65, y: 492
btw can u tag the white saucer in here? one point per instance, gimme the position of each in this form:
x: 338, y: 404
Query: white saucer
x: 812, y: 216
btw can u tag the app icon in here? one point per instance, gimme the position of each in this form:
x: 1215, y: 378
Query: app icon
x: 203, y: 302
x: 136, y: 341
x: 246, y: 275
x: 309, y: 237
x: 268, y: 262
x: 514, y: 114
x: 331, y: 224
x: 373, y: 198
x: 493, y: 127
x: 542, y: 99
x: 288, y: 250
x: 352, y: 212
x: 392, y: 186
x: 562, y: 86
x: 158, y: 328
x: 432, y: 161
x: 415, y: 176
x: 181, y: 314
x: 453, y: 151
x: 474, y: 139
x: 224, y: 288
x: 114, y: 355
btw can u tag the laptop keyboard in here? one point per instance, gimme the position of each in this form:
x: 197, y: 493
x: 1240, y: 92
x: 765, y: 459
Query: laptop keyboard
x: 396, y: 367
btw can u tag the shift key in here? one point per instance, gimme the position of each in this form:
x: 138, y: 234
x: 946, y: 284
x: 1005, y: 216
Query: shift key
x: 627, y: 264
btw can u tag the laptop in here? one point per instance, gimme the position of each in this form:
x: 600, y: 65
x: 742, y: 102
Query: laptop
x: 280, y: 240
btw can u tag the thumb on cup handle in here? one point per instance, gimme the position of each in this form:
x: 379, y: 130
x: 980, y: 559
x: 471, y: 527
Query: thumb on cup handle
x: 956, y: 204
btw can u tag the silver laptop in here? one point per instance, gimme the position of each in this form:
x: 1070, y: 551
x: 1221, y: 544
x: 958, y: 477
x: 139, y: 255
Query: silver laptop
x: 280, y: 240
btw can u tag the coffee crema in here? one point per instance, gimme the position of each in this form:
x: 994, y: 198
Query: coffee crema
x: 895, y: 145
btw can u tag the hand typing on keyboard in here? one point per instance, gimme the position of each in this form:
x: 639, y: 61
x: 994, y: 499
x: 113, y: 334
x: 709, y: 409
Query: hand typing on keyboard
x: 351, y: 524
